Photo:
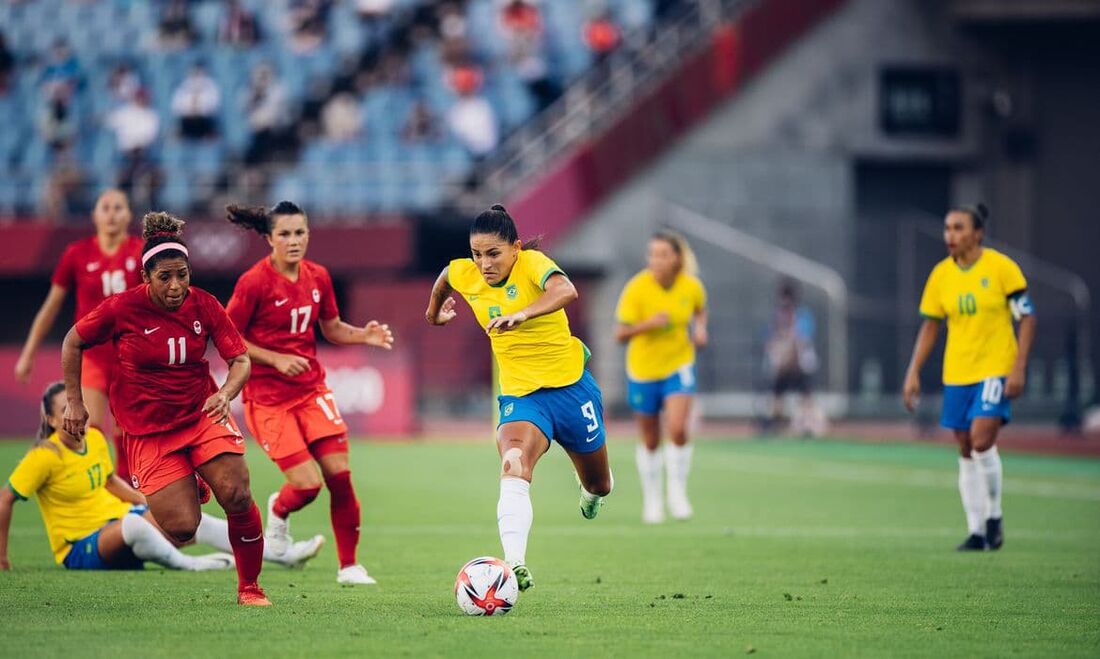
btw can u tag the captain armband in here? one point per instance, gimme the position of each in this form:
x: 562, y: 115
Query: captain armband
x: 1020, y: 305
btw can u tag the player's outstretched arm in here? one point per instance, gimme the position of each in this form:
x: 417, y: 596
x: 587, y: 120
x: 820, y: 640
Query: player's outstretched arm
x: 216, y: 406
x: 441, y: 306
x: 43, y: 323
x: 7, y: 499
x: 76, y: 415
x: 373, y: 333
x: 926, y: 340
x: 1017, y: 379
x: 558, y: 292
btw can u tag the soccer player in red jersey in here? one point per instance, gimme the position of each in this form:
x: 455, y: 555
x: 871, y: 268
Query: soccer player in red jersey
x: 174, y: 418
x: 288, y: 406
x: 95, y: 268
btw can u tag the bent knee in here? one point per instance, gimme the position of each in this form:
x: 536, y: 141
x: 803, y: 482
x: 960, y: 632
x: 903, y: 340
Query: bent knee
x: 512, y: 463
x: 180, y: 531
x: 235, y: 498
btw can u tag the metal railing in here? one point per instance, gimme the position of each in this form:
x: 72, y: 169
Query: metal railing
x: 598, y: 97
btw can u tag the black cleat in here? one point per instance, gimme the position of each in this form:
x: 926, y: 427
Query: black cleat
x: 994, y: 530
x: 974, y: 542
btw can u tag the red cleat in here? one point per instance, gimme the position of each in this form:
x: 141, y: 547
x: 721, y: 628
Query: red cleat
x: 252, y: 595
x: 203, y: 489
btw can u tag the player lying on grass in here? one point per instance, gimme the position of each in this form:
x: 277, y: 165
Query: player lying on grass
x: 518, y: 295
x: 94, y: 520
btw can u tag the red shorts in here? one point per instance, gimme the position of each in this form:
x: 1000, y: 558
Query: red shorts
x: 96, y: 367
x: 292, y: 434
x: 163, y: 458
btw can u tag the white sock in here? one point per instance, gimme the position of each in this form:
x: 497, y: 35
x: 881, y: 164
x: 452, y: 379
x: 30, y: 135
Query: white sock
x: 972, y: 491
x: 678, y: 464
x: 989, y: 466
x: 649, y: 471
x: 514, y: 517
x: 147, y: 543
x: 214, y: 532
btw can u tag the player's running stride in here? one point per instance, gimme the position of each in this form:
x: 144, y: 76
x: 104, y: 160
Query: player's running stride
x: 518, y: 295
x: 978, y: 292
x: 94, y: 519
x: 662, y: 317
x: 94, y: 269
x: 289, y: 408
x: 175, y: 418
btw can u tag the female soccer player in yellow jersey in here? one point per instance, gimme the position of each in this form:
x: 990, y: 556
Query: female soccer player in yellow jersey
x: 979, y: 292
x: 518, y: 295
x: 94, y: 519
x: 662, y: 317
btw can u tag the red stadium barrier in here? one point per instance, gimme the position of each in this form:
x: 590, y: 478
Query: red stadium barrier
x: 216, y: 247
x: 737, y: 52
x: 374, y: 390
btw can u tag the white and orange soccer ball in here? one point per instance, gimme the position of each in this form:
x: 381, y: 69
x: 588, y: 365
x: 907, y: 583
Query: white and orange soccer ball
x: 486, y: 586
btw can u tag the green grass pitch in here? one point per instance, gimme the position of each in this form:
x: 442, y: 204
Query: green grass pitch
x: 824, y: 548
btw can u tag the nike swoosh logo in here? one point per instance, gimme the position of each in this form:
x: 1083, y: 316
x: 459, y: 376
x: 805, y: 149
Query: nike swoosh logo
x: 281, y: 302
x: 591, y: 439
x: 244, y: 539
x: 150, y: 331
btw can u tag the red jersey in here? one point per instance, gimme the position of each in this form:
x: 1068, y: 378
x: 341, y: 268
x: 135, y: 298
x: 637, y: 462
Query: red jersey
x: 277, y: 314
x: 162, y: 378
x: 94, y: 276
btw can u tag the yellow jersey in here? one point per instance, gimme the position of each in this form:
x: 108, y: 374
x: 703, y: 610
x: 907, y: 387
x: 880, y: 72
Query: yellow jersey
x: 541, y: 352
x: 981, y: 342
x: 658, y: 353
x: 70, y: 488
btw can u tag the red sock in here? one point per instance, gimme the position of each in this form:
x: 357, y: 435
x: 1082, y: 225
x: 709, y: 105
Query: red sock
x: 122, y: 465
x: 345, y: 517
x: 246, y: 535
x: 291, y: 499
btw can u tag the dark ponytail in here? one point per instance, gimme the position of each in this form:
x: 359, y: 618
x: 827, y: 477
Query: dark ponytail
x: 44, y: 427
x: 259, y: 219
x: 978, y: 213
x: 497, y: 222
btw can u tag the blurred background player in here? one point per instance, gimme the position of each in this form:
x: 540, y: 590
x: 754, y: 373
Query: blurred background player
x: 80, y: 496
x: 978, y: 292
x: 791, y: 361
x: 95, y: 268
x: 289, y: 407
x: 518, y: 295
x: 662, y: 317
x: 175, y: 419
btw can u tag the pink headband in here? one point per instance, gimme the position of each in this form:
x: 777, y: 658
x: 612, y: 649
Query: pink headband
x: 163, y: 247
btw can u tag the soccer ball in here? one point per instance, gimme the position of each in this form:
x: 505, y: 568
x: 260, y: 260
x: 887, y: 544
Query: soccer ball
x: 486, y: 586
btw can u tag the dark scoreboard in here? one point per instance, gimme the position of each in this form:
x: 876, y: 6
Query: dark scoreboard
x: 919, y: 101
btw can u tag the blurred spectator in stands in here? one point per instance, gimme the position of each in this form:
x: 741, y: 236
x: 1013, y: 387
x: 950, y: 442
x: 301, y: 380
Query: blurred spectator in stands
x: 520, y: 24
x: 421, y: 125
x: 62, y: 195
x: 174, y: 29
x: 7, y: 64
x: 309, y: 118
x: 238, y: 26
x: 791, y: 361
x: 602, y: 34
x: 122, y: 84
x: 473, y: 122
x: 465, y: 77
x: 266, y: 104
x: 195, y: 103
x: 136, y: 126
x: 341, y: 118
x: 308, y: 24
x: 56, y: 119
x: 62, y: 69
x: 449, y: 25
x: 373, y: 14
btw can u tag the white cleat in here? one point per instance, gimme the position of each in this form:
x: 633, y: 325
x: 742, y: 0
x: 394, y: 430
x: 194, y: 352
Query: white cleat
x: 679, y: 507
x: 277, y: 530
x: 653, y: 512
x: 300, y: 552
x: 354, y: 575
x: 215, y: 561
